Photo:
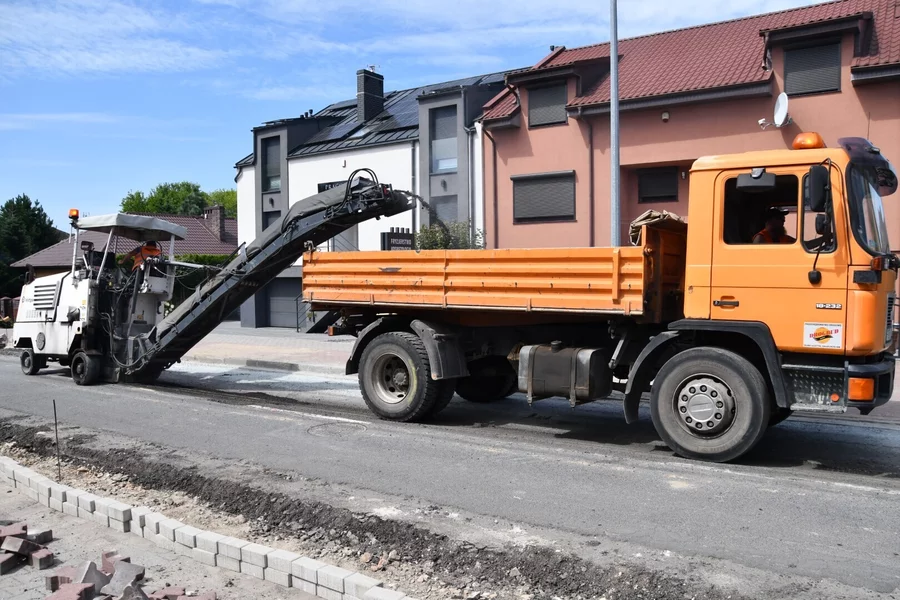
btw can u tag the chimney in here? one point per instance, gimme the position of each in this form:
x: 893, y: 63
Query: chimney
x: 215, y: 216
x: 369, y: 94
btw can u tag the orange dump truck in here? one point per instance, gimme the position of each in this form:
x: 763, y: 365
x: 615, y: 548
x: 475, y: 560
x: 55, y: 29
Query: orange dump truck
x: 777, y: 297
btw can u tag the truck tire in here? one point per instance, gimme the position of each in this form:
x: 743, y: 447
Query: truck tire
x: 493, y: 379
x: 395, y: 378
x: 710, y: 404
x: 85, y: 368
x: 30, y: 363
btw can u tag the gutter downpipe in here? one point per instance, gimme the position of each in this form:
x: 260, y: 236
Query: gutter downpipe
x: 494, y: 185
x: 614, y: 125
x: 413, y: 165
x: 591, y: 179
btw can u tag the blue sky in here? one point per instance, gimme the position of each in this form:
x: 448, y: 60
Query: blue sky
x: 101, y: 97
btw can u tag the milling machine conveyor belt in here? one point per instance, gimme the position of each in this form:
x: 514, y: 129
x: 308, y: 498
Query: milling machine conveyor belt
x: 309, y: 223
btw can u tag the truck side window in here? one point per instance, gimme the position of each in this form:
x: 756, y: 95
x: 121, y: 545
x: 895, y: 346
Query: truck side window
x: 746, y: 214
x: 818, y: 228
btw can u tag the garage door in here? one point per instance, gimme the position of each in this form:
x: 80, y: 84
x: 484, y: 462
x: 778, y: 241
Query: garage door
x: 282, y: 294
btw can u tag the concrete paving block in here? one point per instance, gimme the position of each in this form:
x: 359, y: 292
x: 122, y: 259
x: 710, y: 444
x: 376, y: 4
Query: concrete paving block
x: 87, y: 501
x: 231, y: 547
x: 328, y: 594
x: 187, y: 536
x: 307, y: 569
x: 8, y: 562
x: 307, y: 586
x: 281, y: 560
x: 279, y: 577
x: 152, y: 521
x: 208, y: 541
x: 42, y: 559
x: 45, y: 500
x: 56, y: 504
x: 164, y: 542
x: 119, y: 511
x: 148, y: 534
x: 202, y: 556
x: 138, y: 513
x: 42, y: 485
x: 256, y: 554
x: 32, y: 494
x: 358, y: 584
x: 39, y: 535
x: 225, y: 562
x: 126, y: 575
x: 167, y: 528
x: 85, y: 514
x: 120, y: 526
x: 254, y: 570
x: 20, y: 546
x: 380, y: 593
x: 23, y: 475
x: 101, y: 505
x: 101, y: 518
x: 59, y: 492
x: 183, y: 550
x: 70, y: 509
x: 333, y: 577
x: 136, y: 529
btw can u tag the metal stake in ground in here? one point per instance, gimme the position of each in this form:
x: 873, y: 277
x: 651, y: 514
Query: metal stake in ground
x: 56, y: 428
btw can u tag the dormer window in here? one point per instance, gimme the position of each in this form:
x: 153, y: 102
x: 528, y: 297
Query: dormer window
x: 812, y: 69
x: 547, y: 105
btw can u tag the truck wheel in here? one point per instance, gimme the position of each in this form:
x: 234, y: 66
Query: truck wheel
x: 395, y: 378
x: 85, y: 368
x: 30, y: 363
x: 710, y: 404
x: 493, y: 379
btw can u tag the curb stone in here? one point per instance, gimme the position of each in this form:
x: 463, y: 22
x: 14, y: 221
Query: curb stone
x: 308, y: 574
x: 267, y: 365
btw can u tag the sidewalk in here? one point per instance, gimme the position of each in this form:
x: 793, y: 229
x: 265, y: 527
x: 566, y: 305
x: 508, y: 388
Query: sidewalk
x: 273, y: 348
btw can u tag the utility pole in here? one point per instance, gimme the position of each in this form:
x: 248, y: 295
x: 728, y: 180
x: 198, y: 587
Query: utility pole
x: 614, y: 207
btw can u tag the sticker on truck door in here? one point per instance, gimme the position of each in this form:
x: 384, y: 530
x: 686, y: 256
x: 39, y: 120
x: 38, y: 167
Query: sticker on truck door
x: 823, y: 335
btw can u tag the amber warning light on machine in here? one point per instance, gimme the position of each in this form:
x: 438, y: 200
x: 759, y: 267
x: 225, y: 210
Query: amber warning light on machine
x: 73, y: 214
x: 807, y: 141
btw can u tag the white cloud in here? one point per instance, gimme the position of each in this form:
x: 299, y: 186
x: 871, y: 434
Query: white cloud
x: 14, y: 121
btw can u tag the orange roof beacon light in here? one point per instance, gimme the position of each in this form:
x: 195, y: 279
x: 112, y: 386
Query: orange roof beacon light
x: 808, y: 141
x: 73, y: 214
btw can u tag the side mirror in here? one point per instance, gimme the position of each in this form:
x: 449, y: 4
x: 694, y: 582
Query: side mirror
x: 817, y: 188
x: 87, y: 245
x: 822, y: 224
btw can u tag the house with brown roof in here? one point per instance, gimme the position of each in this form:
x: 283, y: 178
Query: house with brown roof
x: 697, y: 91
x: 210, y: 234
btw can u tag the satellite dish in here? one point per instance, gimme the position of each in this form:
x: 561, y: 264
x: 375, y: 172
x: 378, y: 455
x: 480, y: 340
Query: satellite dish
x: 781, y: 110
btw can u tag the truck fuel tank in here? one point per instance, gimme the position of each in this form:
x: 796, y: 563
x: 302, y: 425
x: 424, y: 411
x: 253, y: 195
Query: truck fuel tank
x: 579, y: 374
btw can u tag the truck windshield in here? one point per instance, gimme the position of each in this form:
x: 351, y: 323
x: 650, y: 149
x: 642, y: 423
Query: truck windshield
x: 866, y: 185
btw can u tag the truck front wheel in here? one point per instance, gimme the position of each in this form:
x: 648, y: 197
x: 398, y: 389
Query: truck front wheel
x: 395, y: 378
x: 710, y: 404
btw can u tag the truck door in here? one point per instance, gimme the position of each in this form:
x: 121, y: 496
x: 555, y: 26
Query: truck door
x: 768, y: 280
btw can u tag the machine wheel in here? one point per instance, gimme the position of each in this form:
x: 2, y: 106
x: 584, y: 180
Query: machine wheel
x: 30, y: 363
x: 710, y: 404
x: 778, y: 415
x: 85, y: 368
x: 395, y: 378
x: 493, y: 379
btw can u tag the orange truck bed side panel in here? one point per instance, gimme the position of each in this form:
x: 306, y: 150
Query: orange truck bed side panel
x: 582, y: 280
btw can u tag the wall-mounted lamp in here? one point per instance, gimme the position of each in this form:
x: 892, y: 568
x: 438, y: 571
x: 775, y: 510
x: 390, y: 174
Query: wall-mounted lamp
x: 683, y: 175
x: 271, y: 201
x: 665, y: 116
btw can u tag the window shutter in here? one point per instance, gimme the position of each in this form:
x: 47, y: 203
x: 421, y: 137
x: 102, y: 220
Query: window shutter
x: 443, y: 123
x: 273, y: 157
x: 547, y: 105
x: 813, y: 69
x: 547, y: 198
x: 658, y: 184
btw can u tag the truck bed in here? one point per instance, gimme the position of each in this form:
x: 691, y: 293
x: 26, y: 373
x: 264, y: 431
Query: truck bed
x: 640, y: 281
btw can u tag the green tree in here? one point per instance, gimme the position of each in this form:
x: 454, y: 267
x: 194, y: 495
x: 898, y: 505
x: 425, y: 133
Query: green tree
x: 180, y: 198
x: 225, y: 198
x: 455, y: 235
x: 24, y: 230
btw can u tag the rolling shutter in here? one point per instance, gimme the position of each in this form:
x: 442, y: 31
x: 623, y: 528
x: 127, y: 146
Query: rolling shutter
x: 547, y: 105
x: 544, y: 197
x: 812, y: 69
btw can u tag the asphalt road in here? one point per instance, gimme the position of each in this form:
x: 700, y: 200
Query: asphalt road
x: 818, y: 498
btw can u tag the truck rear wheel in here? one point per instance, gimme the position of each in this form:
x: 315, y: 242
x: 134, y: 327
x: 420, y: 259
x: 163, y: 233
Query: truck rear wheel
x: 492, y: 378
x: 395, y: 378
x: 710, y: 404
x: 30, y: 363
x: 85, y: 368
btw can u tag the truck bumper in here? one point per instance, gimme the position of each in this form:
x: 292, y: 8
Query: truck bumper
x: 883, y: 374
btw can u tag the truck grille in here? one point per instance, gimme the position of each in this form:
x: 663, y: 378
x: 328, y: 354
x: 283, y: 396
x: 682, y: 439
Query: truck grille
x: 889, y: 325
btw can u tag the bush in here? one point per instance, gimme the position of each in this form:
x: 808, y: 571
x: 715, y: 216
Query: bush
x: 456, y: 235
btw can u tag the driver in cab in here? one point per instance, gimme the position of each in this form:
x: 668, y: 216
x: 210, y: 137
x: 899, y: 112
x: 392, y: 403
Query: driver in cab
x: 146, y: 250
x: 774, y: 231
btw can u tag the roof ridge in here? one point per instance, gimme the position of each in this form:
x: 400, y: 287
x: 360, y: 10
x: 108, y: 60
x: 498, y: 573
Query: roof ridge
x: 715, y: 23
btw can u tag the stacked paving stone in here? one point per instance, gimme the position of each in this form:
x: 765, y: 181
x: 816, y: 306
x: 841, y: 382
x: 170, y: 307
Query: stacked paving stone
x: 278, y: 566
x: 18, y: 546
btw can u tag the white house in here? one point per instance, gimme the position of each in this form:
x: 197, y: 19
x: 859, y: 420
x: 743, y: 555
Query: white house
x: 424, y: 140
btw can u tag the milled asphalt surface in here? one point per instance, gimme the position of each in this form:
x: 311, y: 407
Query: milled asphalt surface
x: 818, y: 498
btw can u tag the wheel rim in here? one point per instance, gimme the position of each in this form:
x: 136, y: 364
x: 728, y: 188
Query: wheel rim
x: 78, y: 368
x: 705, y: 406
x: 26, y: 361
x: 391, y: 378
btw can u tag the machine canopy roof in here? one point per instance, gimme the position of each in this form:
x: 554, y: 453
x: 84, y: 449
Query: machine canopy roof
x: 134, y: 227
